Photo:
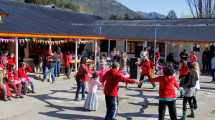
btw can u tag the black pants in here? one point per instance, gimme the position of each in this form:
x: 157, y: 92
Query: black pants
x: 3, y: 92
x: 213, y: 74
x: 206, y: 67
x: 67, y: 71
x: 187, y: 100
x: 80, y: 87
x: 172, y: 109
x: 112, y: 107
x: 142, y: 79
x: 194, y: 102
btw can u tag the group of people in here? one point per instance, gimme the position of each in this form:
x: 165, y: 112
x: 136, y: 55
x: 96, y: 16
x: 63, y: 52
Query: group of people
x: 14, y: 82
x: 108, y: 77
x: 50, y: 64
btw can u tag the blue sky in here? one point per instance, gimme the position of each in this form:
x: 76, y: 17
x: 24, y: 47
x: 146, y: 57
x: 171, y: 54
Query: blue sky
x: 161, y: 6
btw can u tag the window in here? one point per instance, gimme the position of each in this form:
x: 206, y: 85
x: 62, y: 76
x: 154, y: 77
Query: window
x: 131, y: 47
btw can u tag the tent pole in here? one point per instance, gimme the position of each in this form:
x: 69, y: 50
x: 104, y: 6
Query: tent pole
x: 76, y: 55
x: 95, y: 56
x: 17, y: 52
x: 155, y: 42
x: 126, y: 46
x: 108, y: 47
x: 165, y: 50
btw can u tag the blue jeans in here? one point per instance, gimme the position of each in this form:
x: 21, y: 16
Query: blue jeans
x: 49, y: 70
x: 80, y: 87
x: 112, y: 103
x: 57, y: 69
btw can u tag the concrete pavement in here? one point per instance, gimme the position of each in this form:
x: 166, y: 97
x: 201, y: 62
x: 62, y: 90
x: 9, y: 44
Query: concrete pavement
x: 55, y: 102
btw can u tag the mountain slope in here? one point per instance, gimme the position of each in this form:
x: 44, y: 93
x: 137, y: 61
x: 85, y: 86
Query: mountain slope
x: 105, y: 8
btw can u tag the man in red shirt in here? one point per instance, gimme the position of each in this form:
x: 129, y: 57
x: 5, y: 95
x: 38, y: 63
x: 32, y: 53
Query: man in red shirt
x: 111, y: 81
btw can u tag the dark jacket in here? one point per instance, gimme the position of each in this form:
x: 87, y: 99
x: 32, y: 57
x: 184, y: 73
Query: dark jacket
x: 190, y: 80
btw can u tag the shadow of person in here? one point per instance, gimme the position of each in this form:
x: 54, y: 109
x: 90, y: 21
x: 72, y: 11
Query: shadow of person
x: 58, y: 109
x: 66, y: 116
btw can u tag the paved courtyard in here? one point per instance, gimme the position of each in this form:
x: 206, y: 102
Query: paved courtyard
x: 55, y: 102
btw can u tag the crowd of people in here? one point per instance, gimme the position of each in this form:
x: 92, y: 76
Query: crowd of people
x: 14, y: 82
x: 109, y: 72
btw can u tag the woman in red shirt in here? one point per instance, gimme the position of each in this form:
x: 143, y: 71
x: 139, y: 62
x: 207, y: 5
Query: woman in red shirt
x: 167, y: 93
x: 26, y: 81
x: 82, y: 77
x: 14, y: 81
x: 183, y: 70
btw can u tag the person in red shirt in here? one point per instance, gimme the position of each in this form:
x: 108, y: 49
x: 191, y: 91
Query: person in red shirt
x: 147, y: 70
x: 157, y: 55
x: 193, y: 58
x: 167, y: 93
x: 26, y: 81
x: 59, y: 57
x: 13, y: 81
x: 111, y: 81
x: 11, y: 60
x: 82, y: 77
x: 183, y: 70
x: 67, y: 60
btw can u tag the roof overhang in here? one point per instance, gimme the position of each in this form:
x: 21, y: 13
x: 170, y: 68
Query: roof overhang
x: 60, y: 36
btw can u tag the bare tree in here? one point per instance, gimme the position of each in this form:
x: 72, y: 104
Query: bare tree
x: 201, y: 8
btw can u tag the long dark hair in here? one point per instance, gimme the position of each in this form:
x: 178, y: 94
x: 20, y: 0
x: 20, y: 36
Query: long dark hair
x: 83, y: 60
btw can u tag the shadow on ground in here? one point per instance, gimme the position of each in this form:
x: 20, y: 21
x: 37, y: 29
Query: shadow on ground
x: 58, y: 109
x: 144, y: 105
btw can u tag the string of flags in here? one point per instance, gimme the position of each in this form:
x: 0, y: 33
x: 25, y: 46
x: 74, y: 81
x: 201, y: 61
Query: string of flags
x: 42, y: 41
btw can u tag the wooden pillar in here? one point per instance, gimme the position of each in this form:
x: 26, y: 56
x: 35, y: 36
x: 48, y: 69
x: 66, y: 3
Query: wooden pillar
x: 17, y: 52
